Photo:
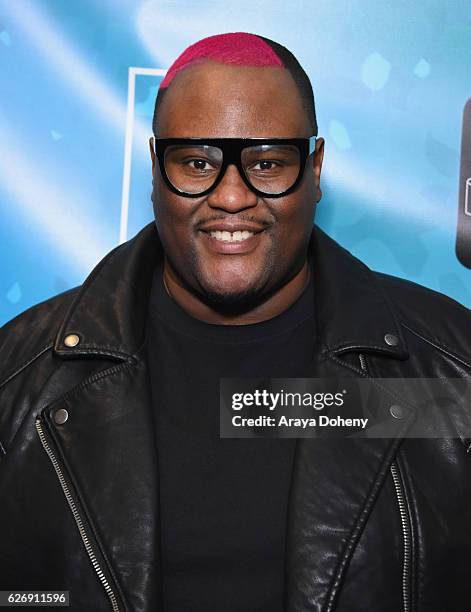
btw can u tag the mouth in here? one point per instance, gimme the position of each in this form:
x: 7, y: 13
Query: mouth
x: 232, y: 242
x: 226, y: 236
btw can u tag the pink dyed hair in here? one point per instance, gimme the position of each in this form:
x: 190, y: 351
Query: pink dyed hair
x: 240, y: 48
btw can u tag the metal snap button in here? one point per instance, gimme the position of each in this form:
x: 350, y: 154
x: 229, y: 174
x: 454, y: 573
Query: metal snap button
x: 397, y: 411
x: 391, y: 339
x: 60, y: 416
x: 71, y: 340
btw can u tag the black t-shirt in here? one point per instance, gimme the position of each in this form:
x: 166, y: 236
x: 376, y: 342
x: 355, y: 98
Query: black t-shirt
x: 223, y: 502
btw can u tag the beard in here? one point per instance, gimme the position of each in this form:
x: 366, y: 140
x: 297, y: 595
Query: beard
x: 225, y: 300
x: 235, y: 302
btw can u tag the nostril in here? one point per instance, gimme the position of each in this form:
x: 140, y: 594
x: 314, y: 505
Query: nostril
x: 232, y: 191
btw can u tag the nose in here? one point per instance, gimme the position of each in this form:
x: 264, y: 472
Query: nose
x: 232, y: 194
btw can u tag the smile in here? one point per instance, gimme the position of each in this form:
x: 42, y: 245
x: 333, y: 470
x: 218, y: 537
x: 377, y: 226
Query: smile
x: 238, y: 242
x: 237, y: 236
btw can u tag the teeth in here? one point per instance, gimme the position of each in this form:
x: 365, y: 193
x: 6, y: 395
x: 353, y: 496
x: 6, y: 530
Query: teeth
x: 231, y: 236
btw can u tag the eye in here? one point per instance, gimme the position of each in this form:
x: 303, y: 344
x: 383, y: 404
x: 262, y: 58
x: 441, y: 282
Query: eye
x: 201, y: 165
x: 265, y: 165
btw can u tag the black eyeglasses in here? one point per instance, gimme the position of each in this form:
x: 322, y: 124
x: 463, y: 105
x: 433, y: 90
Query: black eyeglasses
x: 270, y: 167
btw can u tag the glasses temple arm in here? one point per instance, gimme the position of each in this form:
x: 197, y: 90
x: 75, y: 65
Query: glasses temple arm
x: 312, y: 144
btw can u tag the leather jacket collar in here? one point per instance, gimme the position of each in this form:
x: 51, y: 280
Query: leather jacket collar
x: 109, y: 311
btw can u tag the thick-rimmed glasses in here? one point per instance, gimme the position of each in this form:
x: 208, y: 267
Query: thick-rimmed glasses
x: 271, y: 167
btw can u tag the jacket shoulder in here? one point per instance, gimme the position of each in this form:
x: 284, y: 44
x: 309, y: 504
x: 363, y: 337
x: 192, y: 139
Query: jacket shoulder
x: 32, y: 332
x: 431, y: 315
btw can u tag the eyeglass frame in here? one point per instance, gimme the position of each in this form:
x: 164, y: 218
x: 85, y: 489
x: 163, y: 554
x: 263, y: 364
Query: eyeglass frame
x: 232, y: 154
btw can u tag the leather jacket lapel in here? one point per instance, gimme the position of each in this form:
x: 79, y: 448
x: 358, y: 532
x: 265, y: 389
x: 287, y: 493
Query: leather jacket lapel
x: 336, y: 481
x: 106, y: 450
x: 334, y: 486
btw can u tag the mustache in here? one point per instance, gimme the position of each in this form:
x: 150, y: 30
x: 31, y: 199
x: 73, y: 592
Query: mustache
x: 263, y: 222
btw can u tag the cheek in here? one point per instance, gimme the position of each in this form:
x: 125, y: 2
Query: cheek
x: 173, y: 221
x: 174, y: 215
x: 295, y: 216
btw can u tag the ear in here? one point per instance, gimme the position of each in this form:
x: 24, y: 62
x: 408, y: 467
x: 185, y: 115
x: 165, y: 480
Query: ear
x: 152, y: 154
x: 317, y: 160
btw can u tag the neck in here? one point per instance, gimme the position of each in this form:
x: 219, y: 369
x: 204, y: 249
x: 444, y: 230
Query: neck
x: 273, y: 306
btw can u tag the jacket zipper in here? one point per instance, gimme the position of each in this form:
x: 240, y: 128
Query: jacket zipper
x: 76, y: 515
x: 406, y: 532
x: 407, y: 536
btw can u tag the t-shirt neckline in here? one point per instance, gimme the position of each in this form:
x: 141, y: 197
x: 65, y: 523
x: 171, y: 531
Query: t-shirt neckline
x: 169, y: 312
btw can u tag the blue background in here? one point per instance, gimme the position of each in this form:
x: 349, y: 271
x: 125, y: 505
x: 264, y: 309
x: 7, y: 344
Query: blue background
x: 390, y: 81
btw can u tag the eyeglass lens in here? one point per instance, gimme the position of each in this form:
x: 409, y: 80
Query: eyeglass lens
x: 271, y: 169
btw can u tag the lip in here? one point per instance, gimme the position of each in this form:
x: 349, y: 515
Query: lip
x: 232, y: 227
x: 231, y: 248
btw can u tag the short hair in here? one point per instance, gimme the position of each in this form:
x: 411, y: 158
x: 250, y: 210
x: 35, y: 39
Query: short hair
x: 243, y: 49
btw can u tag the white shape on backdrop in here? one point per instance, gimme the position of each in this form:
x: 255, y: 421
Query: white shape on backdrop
x: 422, y: 68
x: 128, y: 144
x: 55, y: 135
x: 5, y: 38
x: 375, y: 71
x: 339, y: 134
x: 14, y: 293
x: 467, y: 199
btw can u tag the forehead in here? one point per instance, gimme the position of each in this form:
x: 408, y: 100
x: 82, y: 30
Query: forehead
x: 222, y: 101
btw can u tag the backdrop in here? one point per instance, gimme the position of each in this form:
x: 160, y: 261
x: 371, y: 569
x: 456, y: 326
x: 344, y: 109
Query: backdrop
x: 77, y: 89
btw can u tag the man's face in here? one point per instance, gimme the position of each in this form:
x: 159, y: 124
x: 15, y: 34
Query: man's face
x: 218, y: 101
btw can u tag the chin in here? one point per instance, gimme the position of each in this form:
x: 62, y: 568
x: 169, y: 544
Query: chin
x: 231, y: 300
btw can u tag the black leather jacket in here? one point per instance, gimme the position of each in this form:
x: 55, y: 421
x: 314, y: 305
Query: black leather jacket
x: 374, y: 524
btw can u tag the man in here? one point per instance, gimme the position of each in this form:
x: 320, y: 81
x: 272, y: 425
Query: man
x: 116, y: 485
